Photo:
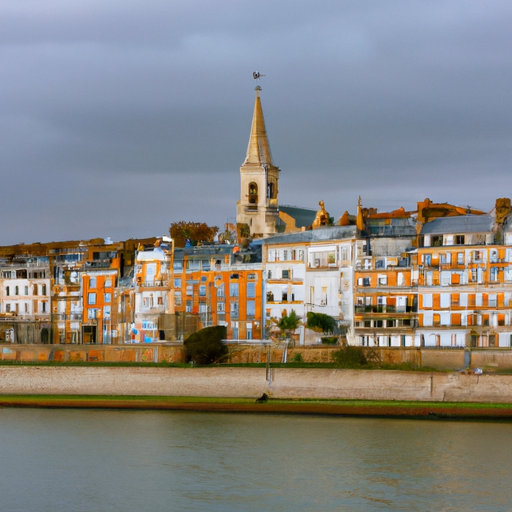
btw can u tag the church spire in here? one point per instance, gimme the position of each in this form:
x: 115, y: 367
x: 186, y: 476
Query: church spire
x: 258, y: 151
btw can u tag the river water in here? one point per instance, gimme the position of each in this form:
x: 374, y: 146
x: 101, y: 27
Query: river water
x: 99, y: 460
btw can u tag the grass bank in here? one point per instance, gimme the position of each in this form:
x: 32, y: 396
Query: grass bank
x: 431, y: 410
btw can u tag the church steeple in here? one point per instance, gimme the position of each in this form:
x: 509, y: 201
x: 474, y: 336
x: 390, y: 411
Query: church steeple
x: 258, y: 151
x: 258, y: 205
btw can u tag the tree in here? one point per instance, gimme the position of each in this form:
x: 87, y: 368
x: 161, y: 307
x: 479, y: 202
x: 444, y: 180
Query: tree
x: 287, y: 323
x: 205, y: 346
x: 320, y: 322
x: 194, y: 231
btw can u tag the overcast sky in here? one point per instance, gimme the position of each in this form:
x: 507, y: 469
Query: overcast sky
x: 118, y: 117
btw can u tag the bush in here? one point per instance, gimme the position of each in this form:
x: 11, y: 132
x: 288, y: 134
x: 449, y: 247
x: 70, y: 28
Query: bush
x: 205, y: 346
x: 297, y: 358
x: 320, y: 322
x: 350, y: 357
x: 329, y: 340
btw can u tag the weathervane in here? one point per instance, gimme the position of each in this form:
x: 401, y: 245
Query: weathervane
x: 256, y: 75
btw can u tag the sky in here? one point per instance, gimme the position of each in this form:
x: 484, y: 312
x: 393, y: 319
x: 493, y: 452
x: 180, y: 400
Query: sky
x: 118, y: 117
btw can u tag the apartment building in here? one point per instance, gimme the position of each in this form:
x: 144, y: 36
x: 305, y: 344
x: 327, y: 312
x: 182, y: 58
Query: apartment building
x: 465, y: 284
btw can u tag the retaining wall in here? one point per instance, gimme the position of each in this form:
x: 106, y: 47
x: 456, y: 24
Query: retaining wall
x: 251, y: 382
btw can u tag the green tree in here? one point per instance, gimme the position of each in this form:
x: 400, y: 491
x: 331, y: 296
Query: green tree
x: 321, y: 322
x: 288, y: 323
x: 194, y: 231
x: 205, y: 346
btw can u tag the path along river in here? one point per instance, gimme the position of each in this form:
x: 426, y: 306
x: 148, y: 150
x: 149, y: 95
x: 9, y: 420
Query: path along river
x: 103, y: 460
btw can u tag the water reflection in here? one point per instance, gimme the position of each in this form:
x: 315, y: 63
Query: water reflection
x: 70, y: 460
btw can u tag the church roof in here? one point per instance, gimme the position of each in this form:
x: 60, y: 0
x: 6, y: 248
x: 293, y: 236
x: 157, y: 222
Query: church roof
x: 258, y: 151
x: 304, y: 217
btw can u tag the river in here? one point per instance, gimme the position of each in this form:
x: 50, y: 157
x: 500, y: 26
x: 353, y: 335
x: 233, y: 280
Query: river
x: 100, y: 460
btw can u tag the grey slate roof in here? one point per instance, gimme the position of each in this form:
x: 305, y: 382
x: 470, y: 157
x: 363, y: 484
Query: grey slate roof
x: 304, y: 217
x: 460, y: 224
x: 314, y: 235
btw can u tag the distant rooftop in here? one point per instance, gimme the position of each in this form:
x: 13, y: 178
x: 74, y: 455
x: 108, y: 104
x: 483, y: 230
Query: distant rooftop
x: 314, y: 235
x: 460, y: 224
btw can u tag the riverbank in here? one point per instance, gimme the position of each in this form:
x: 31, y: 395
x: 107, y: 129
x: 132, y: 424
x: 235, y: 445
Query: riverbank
x: 363, y: 408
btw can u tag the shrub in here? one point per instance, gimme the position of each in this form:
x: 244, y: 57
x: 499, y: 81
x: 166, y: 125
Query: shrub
x: 329, y: 340
x: 297, y: 358
x: 350, y: 357
x: 205, y: 346
x: 320, y: 322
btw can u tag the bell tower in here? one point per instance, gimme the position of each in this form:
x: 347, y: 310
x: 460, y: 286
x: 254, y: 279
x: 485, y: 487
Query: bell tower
x: 259, y: 178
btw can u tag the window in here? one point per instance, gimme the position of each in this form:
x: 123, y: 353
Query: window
x: 16, y: 290
x: 177, y: 298
x: 251, y: 308
x: 8, y: 308
x: 7, y: 291
x: 437, y: 240
x: 177, y: 283
x: 460, y: 240
x: 92, y: 313
x: 251, y: 277
x: 220, y: 306
x: 270, y: 297
x: 91, y: 298
x: 35, y: 289
x: 251, y: 290
x: 460, y: 258
x: 108, y: 298
x: 202, y: 290
x: 106, y: 311
x: 43, y: 307
x: 253, y: 193
x: 92, y: 282
x: 493, y: 300
x: 44, y: 289
x: 190, y: 289
x: 234, y: 310
x: 220, y: 290
x: 108, y: 282
x: 233, y: 289
x: 286, y: 274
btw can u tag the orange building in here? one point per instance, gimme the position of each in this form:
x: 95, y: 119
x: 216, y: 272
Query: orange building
x: 221, y: 287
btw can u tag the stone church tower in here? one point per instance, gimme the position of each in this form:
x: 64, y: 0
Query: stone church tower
x: 258, y: 205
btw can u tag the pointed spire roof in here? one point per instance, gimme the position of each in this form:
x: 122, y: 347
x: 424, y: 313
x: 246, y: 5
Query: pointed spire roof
x: 258, y: 151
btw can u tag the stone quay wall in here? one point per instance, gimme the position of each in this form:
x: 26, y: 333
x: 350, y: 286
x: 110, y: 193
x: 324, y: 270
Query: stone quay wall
x: 436, y: 359
x: 251, y: 383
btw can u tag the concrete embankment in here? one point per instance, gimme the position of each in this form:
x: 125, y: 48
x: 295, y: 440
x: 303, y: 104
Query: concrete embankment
x: 251, y: 383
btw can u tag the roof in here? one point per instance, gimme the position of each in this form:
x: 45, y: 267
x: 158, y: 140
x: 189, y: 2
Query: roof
x: 258, y: 151
x: 315, y: 235
x: 460, y: 224
x: 303, y: 217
